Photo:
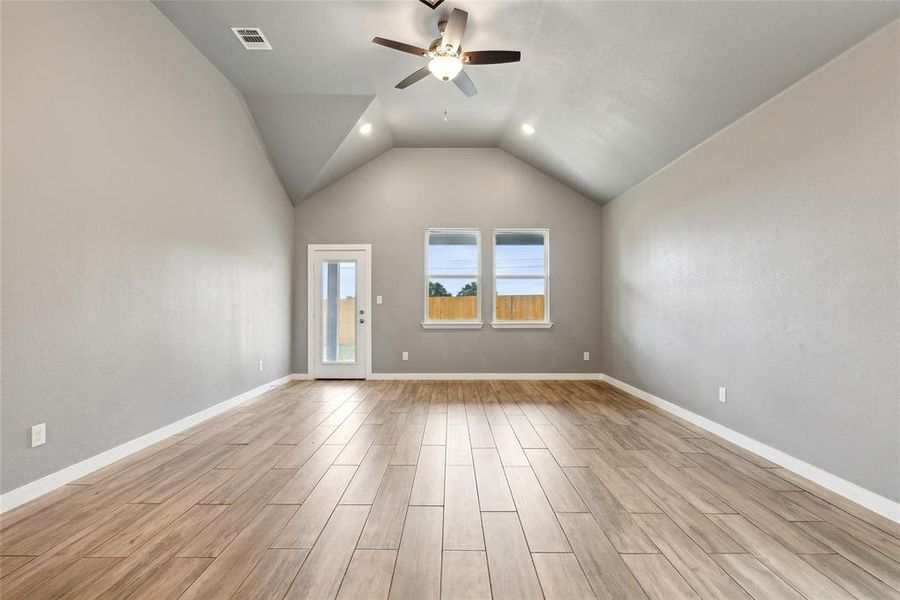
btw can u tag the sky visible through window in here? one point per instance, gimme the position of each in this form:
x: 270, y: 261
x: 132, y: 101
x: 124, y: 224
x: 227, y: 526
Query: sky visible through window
x: 453, y: 259
x: 347, y: 273
x: 462, y: 260
x: 511, y: 260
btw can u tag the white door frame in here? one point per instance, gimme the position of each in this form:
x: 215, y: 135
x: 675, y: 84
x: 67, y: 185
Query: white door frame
x: 311, y: 249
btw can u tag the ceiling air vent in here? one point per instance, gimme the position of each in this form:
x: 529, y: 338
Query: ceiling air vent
x: 252, y: 38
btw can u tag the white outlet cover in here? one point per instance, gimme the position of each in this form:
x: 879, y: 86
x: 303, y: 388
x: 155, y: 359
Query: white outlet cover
x: 379, y: 300
x: 723, y: 394
x: 260, y: 365
x: 405, y: 356
x: 587, y: 356
x: 38, y: 435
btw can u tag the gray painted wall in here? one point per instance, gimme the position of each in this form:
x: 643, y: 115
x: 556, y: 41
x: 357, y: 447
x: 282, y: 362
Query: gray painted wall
x: 768, y: 260
x: 390, y: 201
x: 146, y: 242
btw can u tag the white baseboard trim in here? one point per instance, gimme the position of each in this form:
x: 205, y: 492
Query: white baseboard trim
x: 856, y: 493
x: 48, y: 483
x: 871, y: 500
x: 503, y: 376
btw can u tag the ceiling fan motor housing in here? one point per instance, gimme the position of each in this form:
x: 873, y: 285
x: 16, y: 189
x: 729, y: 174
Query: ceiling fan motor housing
x: 437, y: 49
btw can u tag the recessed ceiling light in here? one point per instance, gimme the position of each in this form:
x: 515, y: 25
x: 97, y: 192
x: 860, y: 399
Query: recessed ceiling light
x: 527, y: 129
x: 365, y: 128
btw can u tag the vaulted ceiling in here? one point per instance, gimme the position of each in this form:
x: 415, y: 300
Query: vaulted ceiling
x: 615, y: 90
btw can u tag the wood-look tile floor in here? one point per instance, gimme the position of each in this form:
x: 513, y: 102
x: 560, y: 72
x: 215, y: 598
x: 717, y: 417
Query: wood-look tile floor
x: 446, y: 489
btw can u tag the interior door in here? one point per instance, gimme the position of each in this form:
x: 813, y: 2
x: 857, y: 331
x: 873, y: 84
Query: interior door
x: 340, y: 323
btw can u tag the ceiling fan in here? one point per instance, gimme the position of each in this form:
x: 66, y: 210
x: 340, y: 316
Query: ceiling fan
x: 447, y: 57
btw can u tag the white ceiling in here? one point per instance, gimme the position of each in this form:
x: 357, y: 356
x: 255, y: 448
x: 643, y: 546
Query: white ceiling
x: 616, y: 90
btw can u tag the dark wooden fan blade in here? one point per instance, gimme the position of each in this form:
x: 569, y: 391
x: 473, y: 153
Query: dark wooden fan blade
x: 420, y: 74
x: 455, y: 28
x: 400, y: 46
x: 465, y: 84
x: 491, y: 57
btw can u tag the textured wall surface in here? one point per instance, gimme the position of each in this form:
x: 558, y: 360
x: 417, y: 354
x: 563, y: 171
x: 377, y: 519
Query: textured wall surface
x: 146, y: 242
x: 767, y: 260
x: 390, y: 202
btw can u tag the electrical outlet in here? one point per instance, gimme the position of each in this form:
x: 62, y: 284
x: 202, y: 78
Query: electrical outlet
x: 723, y: 394
x: 38, y: 435
x: 587, y: 356
x: 260, y: 366
x: 405, y: 356
x: 379, y: 300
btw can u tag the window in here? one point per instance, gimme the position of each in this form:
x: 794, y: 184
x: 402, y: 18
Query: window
x: 521, y: 278
x: 338, y: 311
x: 452, y: 279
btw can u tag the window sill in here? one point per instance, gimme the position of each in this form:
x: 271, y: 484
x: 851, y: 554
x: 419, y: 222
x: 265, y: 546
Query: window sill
x: 521, y: 324
x: 452, y: 325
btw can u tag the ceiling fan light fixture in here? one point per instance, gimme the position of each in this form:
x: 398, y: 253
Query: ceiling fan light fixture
x: 527, y: 129
x: 445, y: 67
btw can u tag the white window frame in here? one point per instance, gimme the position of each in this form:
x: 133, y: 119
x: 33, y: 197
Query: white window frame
x: 546, y: 323
x: 429, y: 324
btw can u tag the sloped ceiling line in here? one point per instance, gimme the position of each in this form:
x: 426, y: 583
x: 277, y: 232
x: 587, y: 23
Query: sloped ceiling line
x: 303, y: 132
x: 356, y: 150
x: 615, y: 90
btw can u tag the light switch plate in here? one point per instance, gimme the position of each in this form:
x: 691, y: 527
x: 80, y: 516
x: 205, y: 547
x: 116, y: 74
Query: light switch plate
x: 379, y: 300
x: 405, y: 356
x: 723, y: 394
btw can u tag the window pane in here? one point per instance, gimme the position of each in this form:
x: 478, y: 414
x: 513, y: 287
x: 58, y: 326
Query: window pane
x: 339, y: 311
x: 453, y: 299
x: 520, y: 299
x: 453, y: 253
x: 519, y: 253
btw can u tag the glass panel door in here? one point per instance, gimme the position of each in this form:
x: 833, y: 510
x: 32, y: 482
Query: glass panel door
x: 339, y: 310
x: 338, y: 327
